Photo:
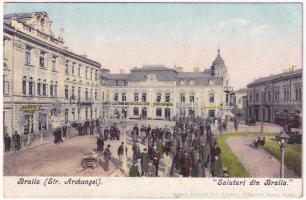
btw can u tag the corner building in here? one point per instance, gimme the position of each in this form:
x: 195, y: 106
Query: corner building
x: 45, y: 84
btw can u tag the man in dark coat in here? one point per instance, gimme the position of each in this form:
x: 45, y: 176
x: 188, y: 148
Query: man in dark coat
x: 106, y: 132
x: 144, y: 162
x: 107, y: 156
x: 80, y: 129
x: 100, y: 144
x: 7, y: 142
x: 156, y: 158
x: 186, y: 165
x: 134, y: 170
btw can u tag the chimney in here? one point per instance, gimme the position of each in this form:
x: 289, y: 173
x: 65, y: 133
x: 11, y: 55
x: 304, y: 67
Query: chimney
x: 178, y: 69
x: 121, y: 71
x: 196, y: 69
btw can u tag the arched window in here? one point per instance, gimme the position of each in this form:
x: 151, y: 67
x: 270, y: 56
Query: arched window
x: 39, y: 87
x: 24, y: 85
x: 55, y: 89
x: 31, y: 86
x: 51, y: 89
x: 211, y: 98
x: 45, y: 88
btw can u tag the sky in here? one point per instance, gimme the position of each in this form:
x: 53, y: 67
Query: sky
x: 255, y: 40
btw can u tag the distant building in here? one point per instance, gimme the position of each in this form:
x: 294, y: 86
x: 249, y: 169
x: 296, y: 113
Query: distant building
x: 159, y: 92
x: 239, y: 94
x: 281, y: 93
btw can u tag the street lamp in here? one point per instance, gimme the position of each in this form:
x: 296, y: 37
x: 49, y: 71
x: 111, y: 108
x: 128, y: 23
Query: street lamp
x: 282, y: 140
x: 262, y: 104
x: 123, y: 125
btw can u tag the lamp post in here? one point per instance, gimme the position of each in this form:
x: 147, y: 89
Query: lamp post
x: 262, y: 104
x: 123, y: 125
x: 282, y: 140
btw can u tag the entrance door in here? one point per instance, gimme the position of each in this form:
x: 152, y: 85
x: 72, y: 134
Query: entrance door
x: 167, y: 113
x: 144, y: 113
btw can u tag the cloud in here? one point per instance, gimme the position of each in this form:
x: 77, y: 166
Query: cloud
x: 237, y: 22
x: 259, y: 29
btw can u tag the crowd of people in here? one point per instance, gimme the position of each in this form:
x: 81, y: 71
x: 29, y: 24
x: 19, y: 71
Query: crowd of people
x: 190, y: 149
x: 14, y: 141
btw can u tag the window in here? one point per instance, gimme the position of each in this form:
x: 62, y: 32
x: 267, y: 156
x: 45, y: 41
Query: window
x: 72, y: 68
x: 42, y: 59
x: 6, y: 86
x: 136, y: 111
x: 39, y: 87
x: 191, y: 98
x: 86, y: 93
x: 67, y: 67
x: 135, y: 96
x: 66, y: 116
x: 72, y: 92
x: 73, y: 114
x: 31, y: 86
x: 276, y: 95
x: 124, y: 97
x: 44, y: 88
x: 96, y: 75
x: 79, y: 71
x: 51, y: 89
x: 54, y: 63
x: 143, y: 97
x: 158, y: 112
x: 28, y: 55
x: 182, y: 82
x: 116, y: 96
x: 182, y: 98
x: 167, y: 97
x: 211, y: 82
x: 66, y: 91
x: 79, y: 93
x: 191, y: 82
x: 96, y: 94
x: 251, y: 98
x: 286, y: 94
x: 86, y: 72
x: 90, y: 94
x: 86, y: 112
x: 55, y: 89
x: 158, y: 97
x: 42, y: 23
x: 91, y: 74
x: 90, y: 112
x: 211, y: 98
x: 269, y: 95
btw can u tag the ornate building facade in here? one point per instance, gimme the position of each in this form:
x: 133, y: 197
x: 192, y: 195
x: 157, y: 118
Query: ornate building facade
x: 159, y: 92
x: 45, y: 85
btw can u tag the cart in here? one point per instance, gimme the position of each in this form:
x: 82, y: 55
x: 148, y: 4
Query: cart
x: 89, y: 160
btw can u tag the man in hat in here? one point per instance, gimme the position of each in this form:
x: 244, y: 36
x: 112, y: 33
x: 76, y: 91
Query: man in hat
x: 16, y: 141
x: 121, y: 153
x: 186, y: 164
x: 100, y: 144
x: 144, y: 162
x: 7, y: 142
x: 107, y: 156
x: 156, y: 158
x: 134, y: 170
x: 151, y: 169
x: 106, y: 132
x: 167, y: 160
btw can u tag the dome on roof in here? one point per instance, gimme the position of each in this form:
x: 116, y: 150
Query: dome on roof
x: 218, y: 60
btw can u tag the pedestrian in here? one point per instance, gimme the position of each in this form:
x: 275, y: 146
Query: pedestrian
x: 106, y: 132
x: 16, y: 141
x: 186, y: 165
x: 100, y: 144
x: 167, y: 160
x: 156, y: 158
x: 144, y: 162
x: 217, y: 167
x: 151, y: 169
x: 107, y: 156
x: 236, y: 124
x: 7, y: 142
x: 121, y: 153
x: 134, y: 170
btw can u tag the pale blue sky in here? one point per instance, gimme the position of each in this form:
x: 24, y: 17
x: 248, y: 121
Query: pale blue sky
x: 259, y: 38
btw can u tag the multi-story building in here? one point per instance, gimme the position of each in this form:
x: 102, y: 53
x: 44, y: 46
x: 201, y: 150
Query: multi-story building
x: 44, y: 83
x: 159, y: 92
x: 281, y: 93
